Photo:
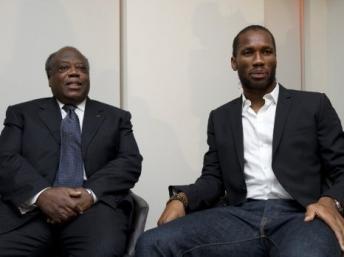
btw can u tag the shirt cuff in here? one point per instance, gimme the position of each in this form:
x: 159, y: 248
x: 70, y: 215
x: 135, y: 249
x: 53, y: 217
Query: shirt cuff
x: 30, y: 204
x: 95, y: 199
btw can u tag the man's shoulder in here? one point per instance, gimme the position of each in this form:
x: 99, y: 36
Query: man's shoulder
x: 303, y: 99
x: 233, y: 104
x: 106, y: 107
x: 302, y: 93
x: 32, y: 103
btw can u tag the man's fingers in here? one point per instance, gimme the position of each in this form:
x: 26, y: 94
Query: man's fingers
x: 50, y: 221
x: 340, y: 237
x: 166, y: 217
x: 79, y: 209
x: 72, y: 211
x: 326, y: 210
x: 74, y: 192
x: 174, y: 209
x: 338, y: 227
x: 163, y: 219
x: 310, y: 214
x: 84, y: 202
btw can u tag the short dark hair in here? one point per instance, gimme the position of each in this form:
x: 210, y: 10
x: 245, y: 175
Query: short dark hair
x: 50, y: 60
x: 248, y: 28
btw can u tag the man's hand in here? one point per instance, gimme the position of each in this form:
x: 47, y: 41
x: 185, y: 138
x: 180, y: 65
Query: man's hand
x: 58, y: 203
x: 84, y: 201
x: 174, y: 209
x: 326, y: 210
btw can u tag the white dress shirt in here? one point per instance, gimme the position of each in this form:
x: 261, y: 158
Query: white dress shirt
x: 258, y: 130
x: 79, y: 110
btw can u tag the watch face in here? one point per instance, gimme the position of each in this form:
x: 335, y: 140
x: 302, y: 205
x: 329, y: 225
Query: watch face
x: 180, y: 197
x: 339, y: 206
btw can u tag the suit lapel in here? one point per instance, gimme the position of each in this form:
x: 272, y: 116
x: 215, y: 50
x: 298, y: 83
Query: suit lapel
x: 237, y: 129
x: 93, y: 118
x: 50, y: 115
x: 282, y: 111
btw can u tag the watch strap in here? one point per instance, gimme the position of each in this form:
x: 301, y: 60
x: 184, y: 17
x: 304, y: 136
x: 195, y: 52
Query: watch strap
x: 181, y: 196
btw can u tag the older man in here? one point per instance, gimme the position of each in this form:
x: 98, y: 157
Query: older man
x: 66, y: 165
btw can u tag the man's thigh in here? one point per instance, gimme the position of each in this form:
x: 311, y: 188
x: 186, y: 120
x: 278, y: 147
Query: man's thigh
x: 32, y: 239
x: 99, y: 232
x: 298, y: 238
x: 213, y: 232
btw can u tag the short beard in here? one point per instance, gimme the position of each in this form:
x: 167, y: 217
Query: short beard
x: 258, y: 86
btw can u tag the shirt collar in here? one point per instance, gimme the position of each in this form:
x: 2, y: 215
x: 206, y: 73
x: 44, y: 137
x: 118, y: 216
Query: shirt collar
x: 272, y: 96
x: 81, y: 106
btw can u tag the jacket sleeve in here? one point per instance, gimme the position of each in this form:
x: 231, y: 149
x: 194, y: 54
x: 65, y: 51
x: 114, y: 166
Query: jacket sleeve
x: 331, y: 145
x: 18, y: 178
x: 120, y: 173
x: 208, y: 188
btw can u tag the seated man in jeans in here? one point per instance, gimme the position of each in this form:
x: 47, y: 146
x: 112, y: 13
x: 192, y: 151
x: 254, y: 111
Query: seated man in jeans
x: 272, y: 150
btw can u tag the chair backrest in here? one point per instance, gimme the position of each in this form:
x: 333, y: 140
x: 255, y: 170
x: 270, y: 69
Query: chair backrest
x: 138, y: 223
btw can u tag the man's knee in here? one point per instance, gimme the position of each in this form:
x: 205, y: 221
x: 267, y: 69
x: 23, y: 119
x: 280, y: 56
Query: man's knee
x: 25, y: 241
x: 98, y: 248
x: 318, y: 251
x: 156, y: 241
x: 148, y: 240
x: 313, y: 239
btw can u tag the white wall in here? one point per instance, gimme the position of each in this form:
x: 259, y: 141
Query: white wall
x: 176, y: 69
x: 32, y: 29
x: 282, y: 17
x: 324, y: 55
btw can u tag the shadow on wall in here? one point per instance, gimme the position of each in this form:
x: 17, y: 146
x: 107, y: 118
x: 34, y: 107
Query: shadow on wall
x: 160, y: 147
x: 335, y: 56
x: 212, y: 80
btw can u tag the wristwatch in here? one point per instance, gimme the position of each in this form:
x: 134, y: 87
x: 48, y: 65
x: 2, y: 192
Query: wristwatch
x: 181, y: 196
x: 339, y: 207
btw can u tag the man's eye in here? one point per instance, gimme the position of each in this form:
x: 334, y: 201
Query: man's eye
x: 63, y: 68
x: 82, y: 68
x: 247, y: 52
x: 268, y: 51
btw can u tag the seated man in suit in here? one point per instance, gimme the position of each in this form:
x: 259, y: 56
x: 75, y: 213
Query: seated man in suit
x: 67, y: 164
x: 272, y: 150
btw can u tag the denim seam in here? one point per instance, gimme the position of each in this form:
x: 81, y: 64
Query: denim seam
x: 274, y: 244
x: 215, y: 244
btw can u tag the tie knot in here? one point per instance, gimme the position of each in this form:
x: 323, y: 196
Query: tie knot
x: 69, y: 108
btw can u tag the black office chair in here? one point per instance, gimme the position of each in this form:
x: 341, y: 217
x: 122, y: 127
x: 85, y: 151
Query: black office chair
x: 138, y: 223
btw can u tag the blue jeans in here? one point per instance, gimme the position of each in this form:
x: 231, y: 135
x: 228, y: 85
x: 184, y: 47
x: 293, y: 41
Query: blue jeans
x: 257, y: 228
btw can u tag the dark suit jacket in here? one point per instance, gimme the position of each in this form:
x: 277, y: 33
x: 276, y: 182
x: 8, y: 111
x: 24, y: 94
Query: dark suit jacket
x: 30, y: 149
x: 308, y: 149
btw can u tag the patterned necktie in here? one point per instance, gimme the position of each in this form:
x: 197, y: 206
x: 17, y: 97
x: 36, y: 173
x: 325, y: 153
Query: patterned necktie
x: 70, y: 171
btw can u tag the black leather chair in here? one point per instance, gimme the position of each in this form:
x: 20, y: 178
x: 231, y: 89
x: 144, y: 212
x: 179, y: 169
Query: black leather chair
x: 138, y: 223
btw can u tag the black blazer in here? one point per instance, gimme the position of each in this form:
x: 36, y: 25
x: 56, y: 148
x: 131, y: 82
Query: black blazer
x: 30, y: 149
x: 308, y: 151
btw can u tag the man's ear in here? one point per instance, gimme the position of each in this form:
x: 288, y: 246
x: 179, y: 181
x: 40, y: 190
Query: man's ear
x: 234, y: 64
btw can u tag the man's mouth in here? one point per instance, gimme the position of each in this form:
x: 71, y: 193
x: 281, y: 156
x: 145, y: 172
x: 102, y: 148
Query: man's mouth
x: 259, y: 74
x: 73, y: 84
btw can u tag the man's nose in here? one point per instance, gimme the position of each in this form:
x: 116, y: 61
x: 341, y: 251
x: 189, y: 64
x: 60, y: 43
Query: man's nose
x: 258, y: 59
x: 73, y: 71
